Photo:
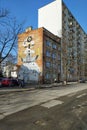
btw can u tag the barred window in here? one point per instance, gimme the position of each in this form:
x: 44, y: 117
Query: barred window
x: 48, y: 64
x: 47, y: 76
x: 54, y: 55
x: 48, y: 43
x: 59, y: 58
x: 54, y: 46
x: 54, y: 66
x: 48, y: 53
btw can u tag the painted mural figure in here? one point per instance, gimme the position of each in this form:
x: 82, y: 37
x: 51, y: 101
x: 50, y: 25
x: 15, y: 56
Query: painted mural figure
x: 29, y: 71
x: 28, y: 45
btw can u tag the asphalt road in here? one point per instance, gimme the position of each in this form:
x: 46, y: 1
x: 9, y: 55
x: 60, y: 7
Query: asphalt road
x: 59, y: 108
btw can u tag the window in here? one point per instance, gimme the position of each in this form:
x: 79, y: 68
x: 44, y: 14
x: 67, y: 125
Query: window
x: 54, y: 46
x: 47, y: 76
x: 48, y: 64
x: 70, y: 23
x: 48, y: 53
x: 59, y: 48
x: 54, y: 66
x: 48, y: 43
x: 59, y: 68
x: 54, y: 55
x: 59, y: 58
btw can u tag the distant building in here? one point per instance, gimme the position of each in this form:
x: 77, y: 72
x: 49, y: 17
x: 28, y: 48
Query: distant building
x: 8, y: 66
x: 58, y: 19
x: 43, y: 62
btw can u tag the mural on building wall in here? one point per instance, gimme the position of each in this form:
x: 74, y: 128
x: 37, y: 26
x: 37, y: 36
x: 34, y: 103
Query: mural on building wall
x: 29, y: 71
x: 30, y: 57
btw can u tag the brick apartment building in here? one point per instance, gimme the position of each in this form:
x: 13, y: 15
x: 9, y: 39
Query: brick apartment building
x: 45, y: 49
x: 59, y: 20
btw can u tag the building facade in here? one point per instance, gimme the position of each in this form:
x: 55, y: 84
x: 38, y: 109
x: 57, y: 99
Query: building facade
x: 39, y: 55
x: 58, y: 19
x: 85, y: 57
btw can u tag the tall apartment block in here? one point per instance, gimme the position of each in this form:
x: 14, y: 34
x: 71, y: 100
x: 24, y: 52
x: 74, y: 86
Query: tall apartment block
x: 59, y: 20
x: 43, y: 62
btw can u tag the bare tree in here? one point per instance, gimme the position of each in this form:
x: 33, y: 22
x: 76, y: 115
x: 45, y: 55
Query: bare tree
x: 9, y: 30
x: 3, y: 12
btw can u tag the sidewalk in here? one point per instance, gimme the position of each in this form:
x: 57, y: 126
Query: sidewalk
x: 55, y: 85
x: 38, y: 86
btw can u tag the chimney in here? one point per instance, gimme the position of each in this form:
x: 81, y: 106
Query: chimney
x: 28, y: 29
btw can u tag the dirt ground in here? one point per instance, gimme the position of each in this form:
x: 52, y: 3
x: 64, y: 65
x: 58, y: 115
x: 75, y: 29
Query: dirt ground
x: 71, y: 115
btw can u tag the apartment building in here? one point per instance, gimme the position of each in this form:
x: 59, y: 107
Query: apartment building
x: 39, y: 55
x: 58, y: 19
x: 85, y: 57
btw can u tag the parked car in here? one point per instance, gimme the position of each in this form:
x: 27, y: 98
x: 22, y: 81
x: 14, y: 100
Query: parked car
x: 11, y: 82
x: 6, y: 82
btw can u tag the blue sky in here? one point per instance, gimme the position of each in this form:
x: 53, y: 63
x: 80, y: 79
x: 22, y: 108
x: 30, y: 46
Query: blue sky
x: 27, y: 10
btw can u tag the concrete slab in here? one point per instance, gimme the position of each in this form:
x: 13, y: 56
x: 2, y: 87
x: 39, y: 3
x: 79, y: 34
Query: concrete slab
x: 51, y: 103
x: 1, y: 116
x: 81, y: 95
